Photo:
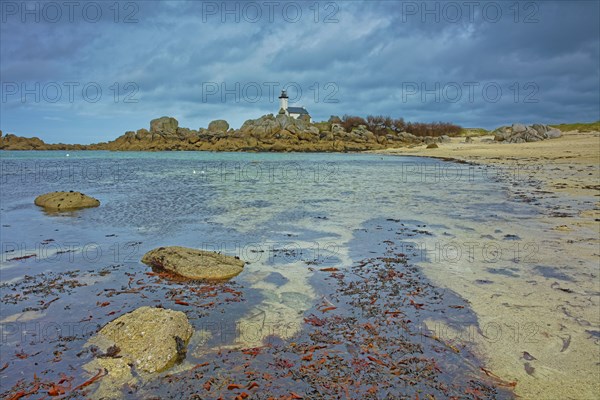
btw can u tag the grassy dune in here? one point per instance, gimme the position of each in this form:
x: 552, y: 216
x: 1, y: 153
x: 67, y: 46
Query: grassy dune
x: 579, y: 126
x: 473, y: 132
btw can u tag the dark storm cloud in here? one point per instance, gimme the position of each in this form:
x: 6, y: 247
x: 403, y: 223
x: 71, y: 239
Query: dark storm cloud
x: 166, y: 58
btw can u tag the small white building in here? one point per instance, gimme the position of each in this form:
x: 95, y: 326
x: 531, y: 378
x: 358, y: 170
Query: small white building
x: 294, y: 112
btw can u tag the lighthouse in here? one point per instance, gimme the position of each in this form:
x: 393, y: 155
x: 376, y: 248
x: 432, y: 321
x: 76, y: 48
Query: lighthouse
x: 294, y: 112
x: 283, y: 101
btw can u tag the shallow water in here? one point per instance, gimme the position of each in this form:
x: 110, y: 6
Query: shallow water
x: 281, y: 213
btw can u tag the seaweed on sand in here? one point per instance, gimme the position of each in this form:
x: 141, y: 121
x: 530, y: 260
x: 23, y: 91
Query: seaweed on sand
x: 362, y: 341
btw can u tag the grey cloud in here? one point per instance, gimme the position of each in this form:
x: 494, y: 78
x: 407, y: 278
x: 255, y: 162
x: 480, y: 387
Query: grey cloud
x: 370, y: 55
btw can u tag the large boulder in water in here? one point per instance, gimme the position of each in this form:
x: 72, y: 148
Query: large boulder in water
x: 149, y: 339
x: 59, y: 201
x: 193, y: 263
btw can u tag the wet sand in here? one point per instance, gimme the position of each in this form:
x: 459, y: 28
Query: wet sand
x: 548, y: 307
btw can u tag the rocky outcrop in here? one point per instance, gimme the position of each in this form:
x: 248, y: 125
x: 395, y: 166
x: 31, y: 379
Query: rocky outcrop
x: 13, y: 142
x: 267, y: 133
x: 519, y: 133
x: 193, y: 263
x: 61, y: 201
x: 270, y: 132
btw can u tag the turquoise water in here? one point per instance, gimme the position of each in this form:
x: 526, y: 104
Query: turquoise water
x: 279, y: 212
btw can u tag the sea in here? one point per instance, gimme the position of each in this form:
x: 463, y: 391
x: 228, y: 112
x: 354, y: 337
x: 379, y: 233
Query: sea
x: 286, y: 214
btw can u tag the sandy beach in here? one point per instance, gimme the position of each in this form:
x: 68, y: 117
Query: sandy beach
x: 554, y: 319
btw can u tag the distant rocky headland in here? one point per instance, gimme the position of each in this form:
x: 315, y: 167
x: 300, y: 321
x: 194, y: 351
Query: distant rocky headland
x: 268, y: 133
x: 277, y: 133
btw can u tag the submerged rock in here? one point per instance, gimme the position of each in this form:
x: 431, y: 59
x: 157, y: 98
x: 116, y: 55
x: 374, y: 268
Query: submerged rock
x: 193, y: 263
x: 149, y: 339
x: 296, y: 300
x: 65, y: 201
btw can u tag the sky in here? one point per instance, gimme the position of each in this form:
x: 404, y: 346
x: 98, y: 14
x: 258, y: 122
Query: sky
x: 88, y: 71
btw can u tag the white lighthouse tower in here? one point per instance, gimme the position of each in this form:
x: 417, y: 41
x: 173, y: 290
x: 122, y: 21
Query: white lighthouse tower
x: 283, y: 102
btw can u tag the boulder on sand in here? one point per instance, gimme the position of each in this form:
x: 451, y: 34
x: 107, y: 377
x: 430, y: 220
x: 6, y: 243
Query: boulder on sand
x: 193, y: 263
x: 553, y: 133
x: 519, y: 133
x: 59, y: 201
